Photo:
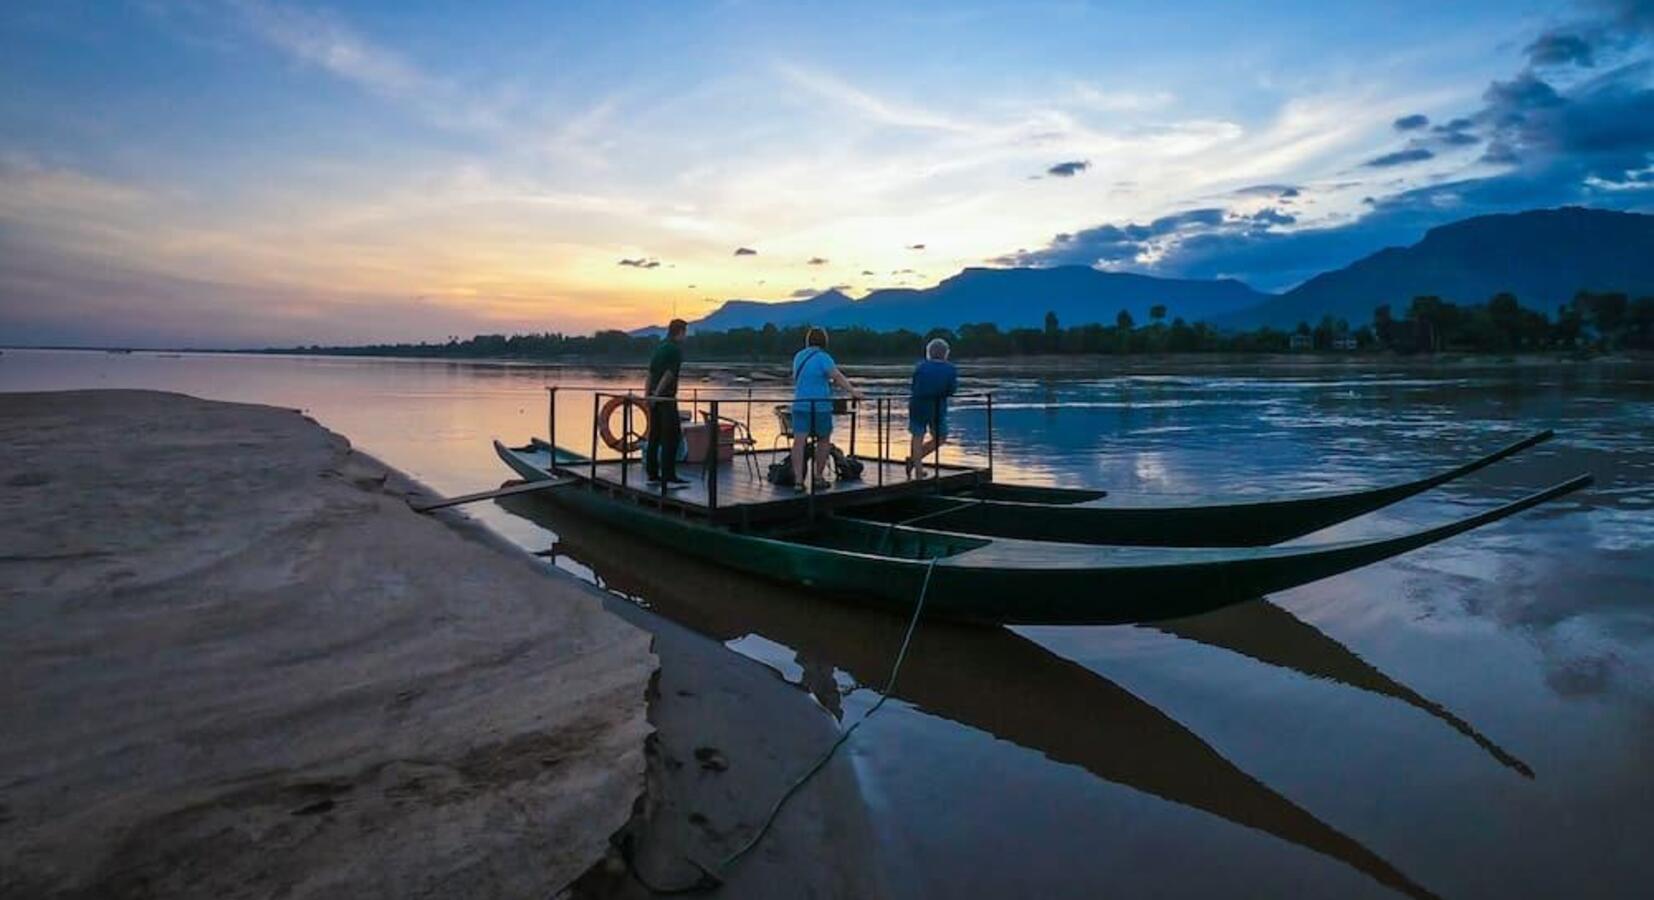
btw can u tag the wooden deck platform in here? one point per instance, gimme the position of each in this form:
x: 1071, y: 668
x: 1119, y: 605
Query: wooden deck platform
x: 744, y: 495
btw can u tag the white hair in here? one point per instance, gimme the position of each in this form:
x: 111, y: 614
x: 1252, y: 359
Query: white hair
x: 936, y: 349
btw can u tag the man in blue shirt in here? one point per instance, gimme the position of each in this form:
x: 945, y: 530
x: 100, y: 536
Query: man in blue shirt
x: 934, y: 381
x: 814, y: 376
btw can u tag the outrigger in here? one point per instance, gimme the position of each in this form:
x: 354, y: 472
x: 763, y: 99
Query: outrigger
x: 1090, y: 517
x: 817, y: 538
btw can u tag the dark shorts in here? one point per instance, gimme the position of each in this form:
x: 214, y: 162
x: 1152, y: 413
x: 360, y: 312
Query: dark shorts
x: 920, y: 416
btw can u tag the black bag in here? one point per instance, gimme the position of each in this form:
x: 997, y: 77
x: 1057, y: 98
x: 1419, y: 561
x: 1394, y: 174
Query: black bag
x: 780, y: 474
x: 848, y: 468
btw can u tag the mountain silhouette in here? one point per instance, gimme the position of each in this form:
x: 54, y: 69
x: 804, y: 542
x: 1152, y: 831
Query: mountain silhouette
x: 1542, y: 256
x: 756, y: 313
x: 1009, y: 298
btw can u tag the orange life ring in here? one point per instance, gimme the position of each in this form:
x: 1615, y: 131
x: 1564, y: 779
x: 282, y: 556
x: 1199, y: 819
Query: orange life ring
x: 633, y: 439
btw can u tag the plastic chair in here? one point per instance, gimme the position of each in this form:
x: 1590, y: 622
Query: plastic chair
x: 740, y: 438
x: 784, y: 419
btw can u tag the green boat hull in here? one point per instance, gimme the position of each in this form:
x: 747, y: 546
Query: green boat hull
x: 994, y: 579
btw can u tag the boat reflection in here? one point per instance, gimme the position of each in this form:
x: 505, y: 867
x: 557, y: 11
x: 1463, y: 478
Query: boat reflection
x: 1269, y: 634
x: 990, y: 679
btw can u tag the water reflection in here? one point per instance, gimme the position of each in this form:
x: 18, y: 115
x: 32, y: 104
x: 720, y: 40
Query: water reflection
x: 991, y: 679
x: 1269, y: 634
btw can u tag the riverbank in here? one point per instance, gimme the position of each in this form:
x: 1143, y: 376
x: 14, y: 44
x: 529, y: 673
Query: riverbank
x: 238, y: 665
x: 1141, y: 362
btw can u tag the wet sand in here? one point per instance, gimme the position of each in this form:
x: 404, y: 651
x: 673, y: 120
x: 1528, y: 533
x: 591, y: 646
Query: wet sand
x: 238, y: 665
x: 731, y: 735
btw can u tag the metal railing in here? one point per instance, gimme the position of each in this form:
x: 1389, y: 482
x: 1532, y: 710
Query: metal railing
x: 884, y: 409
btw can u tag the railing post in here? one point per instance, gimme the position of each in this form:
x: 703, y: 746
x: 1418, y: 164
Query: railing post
x: 878, y: 439
x: 597, y: 399
x: 936, y: 437
x: 990, y: 436
x: 811, y: 446
x: 551, y: 425
x: 712, y: 462
x: 855, y: 416
x: 626, y: 442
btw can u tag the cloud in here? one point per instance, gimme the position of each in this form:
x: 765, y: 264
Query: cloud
x: 1399, y: 158
x: 810, y: 293
x: 867, y: 272
x: 1527, y: 91
x: 323, y: 41
x: 1602, y: 128
x: 1109, y: 244
x: 875, y: 109
x: 1412, y: 122
x: 642, y: 263
x: 1555, y: 48
x: 48, y: 298
x: 817, y: 261
x: 745, y: 251
x: 1269, y: 190
x: 1091, y: 97
x: 1068, y: 169
x: 1455, y: 133
x: 1589, y: 144
x: 1272, y: 216
x: 1500, y: 153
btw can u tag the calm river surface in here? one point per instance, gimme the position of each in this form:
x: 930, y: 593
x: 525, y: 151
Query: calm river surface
x: 1473, y: 719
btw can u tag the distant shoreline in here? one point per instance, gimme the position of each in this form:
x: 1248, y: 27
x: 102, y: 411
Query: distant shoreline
x: 1042, y: 362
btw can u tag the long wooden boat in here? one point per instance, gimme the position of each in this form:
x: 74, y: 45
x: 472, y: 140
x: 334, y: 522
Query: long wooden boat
x: 983, y: 578
x: 1089, y: 517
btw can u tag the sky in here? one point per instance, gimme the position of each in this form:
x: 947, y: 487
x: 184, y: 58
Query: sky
x: 246, y: 173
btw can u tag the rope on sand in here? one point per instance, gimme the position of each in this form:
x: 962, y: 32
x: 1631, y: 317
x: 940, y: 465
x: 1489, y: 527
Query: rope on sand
x: 712, y: 877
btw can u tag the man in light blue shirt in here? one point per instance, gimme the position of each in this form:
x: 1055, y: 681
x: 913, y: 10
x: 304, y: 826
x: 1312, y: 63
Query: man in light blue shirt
x: 814, y: 376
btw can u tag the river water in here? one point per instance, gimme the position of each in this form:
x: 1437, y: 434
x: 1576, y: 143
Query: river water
x: 1472, y: 719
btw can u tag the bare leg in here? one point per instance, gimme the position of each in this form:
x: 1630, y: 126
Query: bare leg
x: 922, y: 446
x: 798, y: 459
x: 823, y: 450
x: 915, y: 453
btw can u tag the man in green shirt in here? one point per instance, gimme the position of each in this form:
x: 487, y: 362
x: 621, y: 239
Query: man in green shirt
x: 660, y: 454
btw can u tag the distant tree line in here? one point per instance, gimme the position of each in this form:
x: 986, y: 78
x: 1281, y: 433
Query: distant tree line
x: 1605, y: 321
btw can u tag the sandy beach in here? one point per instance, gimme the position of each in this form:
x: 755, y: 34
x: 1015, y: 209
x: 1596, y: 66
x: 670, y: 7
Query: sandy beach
x: 239, y: 665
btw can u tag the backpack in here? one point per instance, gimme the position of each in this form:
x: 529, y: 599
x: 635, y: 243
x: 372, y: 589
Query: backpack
x: 847, y: 468
x: 780, y: 473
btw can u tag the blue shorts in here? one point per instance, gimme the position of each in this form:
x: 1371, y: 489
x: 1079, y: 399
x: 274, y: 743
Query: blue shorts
x: 920, y: 414
x: 822, y: 426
